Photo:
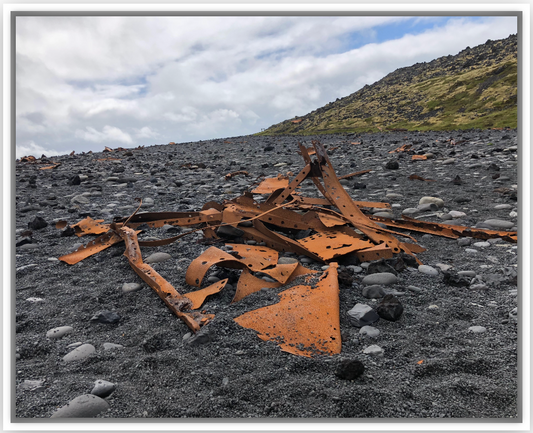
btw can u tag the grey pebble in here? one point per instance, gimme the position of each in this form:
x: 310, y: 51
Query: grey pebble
x: 59, y: 332
x: 131, y: 287
x: 361, y: 315
x: 157, y: 258
x: 467, y: 273
x: 374, y: 291
x: 111, y: 346
x: 382, y: 278
x: 477, y: 329
x: 369, y: 331
x: 471, y: 251
x: 481, y: 244
x: 499, y: 224
x: 373, y: 350
x: 287, y: 261
x: 81, y: 352
x: 428, y: 270
x: 103, y: 388
x: 84, y: 406
x: 463, y: 242
x: 32, y: 385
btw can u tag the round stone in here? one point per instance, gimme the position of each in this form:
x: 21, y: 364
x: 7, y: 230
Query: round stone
x: 84, y: 406
x: 499, y: 224
x: 157, y: 258
x: 79, y: 353
x: 428, y: 270
x: 373, y: 350
x: 131, y: 287
x: 103, y: 388
x: 456, y: 214
x: 477, y: 329
x: 59, y: 332
x: 287, y: 261
x: 369, y: 331
x: 432, y: 200
x: 374, y: 291
x: 481, y: 244
x: 380, y: 278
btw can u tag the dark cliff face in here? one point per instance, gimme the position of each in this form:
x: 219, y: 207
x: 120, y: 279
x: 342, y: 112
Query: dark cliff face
x: 474, y: 89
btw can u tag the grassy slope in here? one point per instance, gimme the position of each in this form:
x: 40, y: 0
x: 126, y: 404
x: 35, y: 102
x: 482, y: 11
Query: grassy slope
x: 478, y: 97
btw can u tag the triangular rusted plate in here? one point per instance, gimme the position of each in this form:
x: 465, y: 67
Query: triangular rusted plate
x: 306, y: 320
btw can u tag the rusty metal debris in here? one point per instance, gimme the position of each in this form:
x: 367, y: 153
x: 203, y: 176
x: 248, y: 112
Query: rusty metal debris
x: 417, y: 177
x: 236, y: 173
x: 419, y: 157
x: 306, y: 320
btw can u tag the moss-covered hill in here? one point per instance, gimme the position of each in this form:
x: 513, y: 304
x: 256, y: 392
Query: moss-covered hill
x: 476, y: 88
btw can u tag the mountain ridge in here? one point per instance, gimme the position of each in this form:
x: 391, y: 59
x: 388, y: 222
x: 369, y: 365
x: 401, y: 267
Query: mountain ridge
x: 476, y: 88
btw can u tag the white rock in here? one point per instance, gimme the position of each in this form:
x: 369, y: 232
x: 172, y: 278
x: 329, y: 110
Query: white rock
x: 429, y: 200
x: 477, y: 329
x: 382, y: 278
x: 373, y: 350
x: 456, y: 214
x: 59, y: 332
x: 81, y: 352
x: 428, y: 270
x: 84, y: 406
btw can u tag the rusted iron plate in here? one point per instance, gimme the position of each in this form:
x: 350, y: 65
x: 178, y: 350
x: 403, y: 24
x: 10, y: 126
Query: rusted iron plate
x: 159, y: 219
x: 212, y: 256
x: 49, y: 167
x: 255, y: 257
x: 95, y: 246
x: 281, y: 273
x: 403, y: 148
x: 357, y: 173
x: 174, y: 301
x: 230, y: 216
x: 300, y: 177
x: 331, y: 244
x: 236, y: 173
x: 90, y: 226
x: 419, y: 157
x: 271, y: 184
x: 374, y: 253
x: 306, y: 320
x: 415, y: 248
x: 417, y: 177
x: 418, y: 226
x: 249, y: 284
x: 331, y: 220
x: 344, y: 203
x: 198, y: 297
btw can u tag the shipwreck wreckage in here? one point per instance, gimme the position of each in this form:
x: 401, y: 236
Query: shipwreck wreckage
x: 305, y: 321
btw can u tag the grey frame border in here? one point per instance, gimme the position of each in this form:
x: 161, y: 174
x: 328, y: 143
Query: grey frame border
x: 517, y: 14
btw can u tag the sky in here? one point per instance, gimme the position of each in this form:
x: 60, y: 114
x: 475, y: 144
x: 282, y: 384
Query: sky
x: 84, y: 83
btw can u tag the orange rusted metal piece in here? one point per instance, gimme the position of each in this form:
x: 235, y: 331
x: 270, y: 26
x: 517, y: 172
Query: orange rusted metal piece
x: 198, y: 297
x: 357, y: 173
x: 403, y: 148
x: 235, y: 173
x: 174, y: 301
x: 90, y: 226
x: 99, y: 244
x: 271, y: 184
x: 419, y: 157
x: 417, y: 177
x: 49, y: 167
x: 332, y: 244
x: 306, y: 320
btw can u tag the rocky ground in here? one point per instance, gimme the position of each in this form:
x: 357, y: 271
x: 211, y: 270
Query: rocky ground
x: 451, y: 355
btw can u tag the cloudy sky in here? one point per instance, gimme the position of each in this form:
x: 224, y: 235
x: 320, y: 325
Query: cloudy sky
x: 83, y: 83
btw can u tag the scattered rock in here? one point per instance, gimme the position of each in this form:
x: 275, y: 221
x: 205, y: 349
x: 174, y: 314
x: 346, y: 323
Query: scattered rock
x: 157, y: 258
x: 350, y: 369
x: 390, y: 308
x: 59, y: 332
x: 84, y: 406
x: 369, y: 331
x: 79, y: 353
x: 105, y: 316
x: 38, y: 223
x: 381, y: 278
x: 373, y: 292
x: 373, y: 350
x: 103, y: 388
x: 361, y: 315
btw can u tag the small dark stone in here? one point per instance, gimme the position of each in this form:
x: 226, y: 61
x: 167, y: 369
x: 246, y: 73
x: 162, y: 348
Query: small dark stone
x: 350, y: 369
x: 493, y: 167
x: 358, y: 185
x: 265, y: 165
x: 69, y: 231
x: 380, y: 266
x: 390, y: 308
x: 457, y: 180
x: 269, y: 148
x: 452, y: 278
x: 462, y: 200
x: 349, y: 259
x: 37, y: 224
x: 496, y: 176
x: 23, y: 241
x: 74, y: 180
x: 345, y: 278
x: 392, y: 165
x: 105, y: 316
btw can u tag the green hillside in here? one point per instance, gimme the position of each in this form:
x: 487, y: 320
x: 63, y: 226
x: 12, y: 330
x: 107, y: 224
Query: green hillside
x: 477, y: 88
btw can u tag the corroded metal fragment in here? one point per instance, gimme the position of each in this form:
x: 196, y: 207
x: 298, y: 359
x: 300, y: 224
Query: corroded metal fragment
x: 306, y: 320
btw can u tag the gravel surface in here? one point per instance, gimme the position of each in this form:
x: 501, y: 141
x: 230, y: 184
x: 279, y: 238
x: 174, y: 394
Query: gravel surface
x: 452, y: 354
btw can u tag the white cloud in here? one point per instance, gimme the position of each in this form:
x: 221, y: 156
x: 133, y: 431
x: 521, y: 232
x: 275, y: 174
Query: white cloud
x: 194, y: 78
x: 31, y: 148
x: 109, y: 133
